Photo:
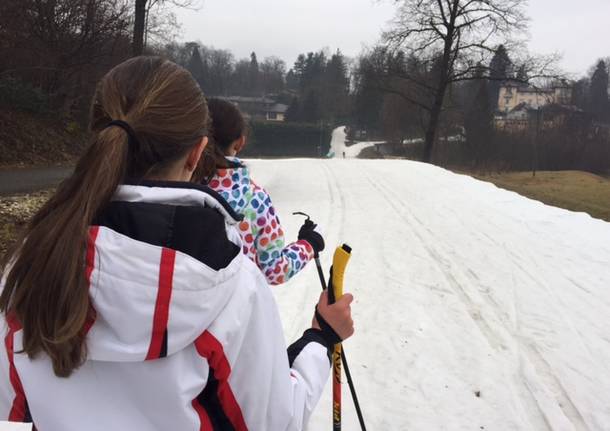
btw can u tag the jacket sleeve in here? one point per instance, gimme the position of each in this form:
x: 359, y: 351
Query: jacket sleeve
x: 308, y: 365
x: 277, y: 388
x: 278, y: 262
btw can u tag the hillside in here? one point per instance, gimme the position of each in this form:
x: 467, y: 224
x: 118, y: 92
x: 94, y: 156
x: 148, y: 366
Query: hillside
x: 28, y: 139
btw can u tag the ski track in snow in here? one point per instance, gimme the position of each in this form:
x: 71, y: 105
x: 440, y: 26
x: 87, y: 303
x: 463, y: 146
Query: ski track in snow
x: 459, y: 287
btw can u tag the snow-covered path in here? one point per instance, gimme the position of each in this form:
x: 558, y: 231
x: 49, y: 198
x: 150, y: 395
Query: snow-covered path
x: 338, y: 148
x: 461, y: 288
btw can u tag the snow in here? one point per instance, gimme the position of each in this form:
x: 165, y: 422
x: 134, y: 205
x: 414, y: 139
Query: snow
x: 6, y: 426
x: 338, y: 147
x: 460, y: 287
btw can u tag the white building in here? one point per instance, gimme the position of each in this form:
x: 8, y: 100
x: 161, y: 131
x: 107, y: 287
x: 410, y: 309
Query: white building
x: 259, y: 108
x: 513, y: 94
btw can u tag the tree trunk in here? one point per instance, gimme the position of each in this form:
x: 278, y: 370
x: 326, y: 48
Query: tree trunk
x: 443, y: 81
x: 437, y: 107
x: 435, y: 115
x: 138, y: 27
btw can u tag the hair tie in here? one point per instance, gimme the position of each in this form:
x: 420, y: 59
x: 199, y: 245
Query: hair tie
x: 134, y: 145
x: 133, y: 141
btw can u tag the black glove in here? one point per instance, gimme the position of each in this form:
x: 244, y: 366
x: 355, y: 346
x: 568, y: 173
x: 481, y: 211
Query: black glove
x: 310, y: 233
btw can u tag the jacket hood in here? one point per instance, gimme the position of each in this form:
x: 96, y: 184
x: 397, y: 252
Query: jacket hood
x: 159, y: 261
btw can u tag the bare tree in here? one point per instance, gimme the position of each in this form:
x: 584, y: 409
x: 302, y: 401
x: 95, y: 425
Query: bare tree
x: 453, y: 36
x: 62, y: 47
x: 143, y: 9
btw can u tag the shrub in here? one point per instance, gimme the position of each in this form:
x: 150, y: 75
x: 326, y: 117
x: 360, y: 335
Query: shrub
x: 285, y: 139
x: 18, y: 95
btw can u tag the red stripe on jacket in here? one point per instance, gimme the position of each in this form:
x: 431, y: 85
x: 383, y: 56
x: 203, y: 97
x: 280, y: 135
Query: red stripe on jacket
x: 211, y: 349
x: 164, y: 294
x: 89, y: 267
x: 19, y: 407
x: 90, y: 259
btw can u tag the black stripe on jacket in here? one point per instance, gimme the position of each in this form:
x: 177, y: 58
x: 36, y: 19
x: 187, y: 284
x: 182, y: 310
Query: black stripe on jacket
x: 208, y: 399
x: 198, y: 231
x: 311, y: 335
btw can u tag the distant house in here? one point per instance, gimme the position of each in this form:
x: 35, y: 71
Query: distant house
x: 277, y: 112
x: 524, y: 116
x: 519, y: 105
x: 513, y: 94
x: 259, y: 108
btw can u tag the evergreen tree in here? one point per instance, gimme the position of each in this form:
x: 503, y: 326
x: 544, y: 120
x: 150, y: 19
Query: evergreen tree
x: 368, y: 96
x: 309, y: 75
x: 500, y: 69
x: 478, y: 120
x: 337, y: 88
x: 254, y: 76
x: 292, y: 80
x: 240, y: 82
x: 598, y: 91
x: 220, y: 69
x: 272, y: 72
x: 299, y: 70
x: 580, y: 94
x: 196, y: 66
x: 294, y: 110
x: 311, y: 107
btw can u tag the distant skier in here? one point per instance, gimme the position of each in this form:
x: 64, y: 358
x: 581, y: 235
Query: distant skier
x: 344, y: 154
x: 261, y: 232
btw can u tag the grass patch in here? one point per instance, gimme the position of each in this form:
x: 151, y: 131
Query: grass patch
x: 15, y: 212
x: 572, y: 190
x: 369, y: 153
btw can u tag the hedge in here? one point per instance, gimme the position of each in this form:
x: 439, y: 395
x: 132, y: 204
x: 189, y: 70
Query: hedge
x: 284, y: 139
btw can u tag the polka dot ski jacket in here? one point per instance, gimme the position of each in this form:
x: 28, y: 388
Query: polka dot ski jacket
x: 261, y: 233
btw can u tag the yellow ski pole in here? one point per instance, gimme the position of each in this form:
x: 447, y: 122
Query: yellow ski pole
x: 340, y: 260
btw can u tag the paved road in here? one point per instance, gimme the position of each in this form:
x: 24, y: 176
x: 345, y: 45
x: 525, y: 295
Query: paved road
x: 25, y: 180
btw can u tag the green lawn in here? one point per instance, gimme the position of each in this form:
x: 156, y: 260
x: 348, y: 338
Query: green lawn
x: 573, y: 190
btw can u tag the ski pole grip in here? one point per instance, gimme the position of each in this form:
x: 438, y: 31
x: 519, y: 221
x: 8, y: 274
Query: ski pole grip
x: 340, y: 260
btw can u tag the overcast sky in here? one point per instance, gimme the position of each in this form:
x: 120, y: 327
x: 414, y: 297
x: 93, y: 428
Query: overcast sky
x: 578, y: 30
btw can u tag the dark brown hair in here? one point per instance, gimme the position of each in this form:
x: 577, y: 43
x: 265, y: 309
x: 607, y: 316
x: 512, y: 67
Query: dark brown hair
x: 45, y: 287
x: 228, y: 125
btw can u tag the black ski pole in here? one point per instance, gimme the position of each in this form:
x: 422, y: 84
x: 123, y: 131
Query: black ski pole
x: 350, y: 382
x: 352, y: 389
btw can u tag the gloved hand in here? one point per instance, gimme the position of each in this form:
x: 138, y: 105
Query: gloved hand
x: 310, y: 232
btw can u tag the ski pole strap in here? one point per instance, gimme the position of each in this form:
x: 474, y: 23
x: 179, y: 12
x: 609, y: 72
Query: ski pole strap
x: 331, y: 289
x: 328, y: 333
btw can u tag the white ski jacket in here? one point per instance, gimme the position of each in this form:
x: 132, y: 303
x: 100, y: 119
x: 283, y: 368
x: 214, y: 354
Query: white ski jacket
x: 187, y: 335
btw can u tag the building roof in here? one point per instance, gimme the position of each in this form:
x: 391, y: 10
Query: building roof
x: 278, y: 108
x: 248, y: 99
x: 523, y: 107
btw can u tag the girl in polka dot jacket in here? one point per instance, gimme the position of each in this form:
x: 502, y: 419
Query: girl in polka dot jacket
x: 261, y: 232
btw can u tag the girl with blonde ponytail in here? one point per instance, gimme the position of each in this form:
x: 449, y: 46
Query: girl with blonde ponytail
x: 128, y: 305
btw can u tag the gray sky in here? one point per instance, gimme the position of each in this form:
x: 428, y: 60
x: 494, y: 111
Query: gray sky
x: 576, y: 29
